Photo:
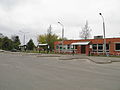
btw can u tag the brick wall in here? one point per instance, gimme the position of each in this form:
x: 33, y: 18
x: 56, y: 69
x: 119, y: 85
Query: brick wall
x: 110, y: 41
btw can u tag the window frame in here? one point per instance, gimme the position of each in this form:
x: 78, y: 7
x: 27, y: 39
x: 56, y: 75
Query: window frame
x: 68, y: 46
x: 115, y: 45
x: 108, y: 50
x: 100, y: 50
x: 57, y: 47
x: 95, y: 50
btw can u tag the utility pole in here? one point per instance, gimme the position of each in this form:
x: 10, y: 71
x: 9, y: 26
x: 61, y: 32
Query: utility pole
x: 62, y: 34
x: 24, y: 33
x: 104, y: 48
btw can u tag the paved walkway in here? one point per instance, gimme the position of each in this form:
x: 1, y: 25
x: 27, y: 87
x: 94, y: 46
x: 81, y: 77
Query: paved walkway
x: 104, y: 60
x: 95, y: 59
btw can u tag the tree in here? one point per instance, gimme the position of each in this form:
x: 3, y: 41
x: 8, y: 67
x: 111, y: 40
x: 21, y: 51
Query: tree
x: 48, y: 38
x: 0, y: 43
x: 7, y: 44
x: 42, y: 38
x: 16, y: 42
x: 30, y: 45
x: 85, y: 33
x: 1, y: 40
x: 1, y: 35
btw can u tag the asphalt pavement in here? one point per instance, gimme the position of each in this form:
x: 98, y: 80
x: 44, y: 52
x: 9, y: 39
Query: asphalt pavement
x: 44, y: 72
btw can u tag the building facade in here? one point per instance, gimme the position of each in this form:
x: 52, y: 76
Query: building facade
x: 88, y: 46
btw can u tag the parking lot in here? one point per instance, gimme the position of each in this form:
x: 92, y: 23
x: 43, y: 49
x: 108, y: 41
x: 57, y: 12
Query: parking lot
x: 29, y: 72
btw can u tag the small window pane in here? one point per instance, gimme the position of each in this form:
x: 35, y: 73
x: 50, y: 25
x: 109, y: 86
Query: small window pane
x: 100, y: 46
x: 107, y: 46
x: 94, y: 46
x: 68, y: 46
x: 57, y: 47
x: 117, y: 46
x: 60, y: 46
x: 75, y: 46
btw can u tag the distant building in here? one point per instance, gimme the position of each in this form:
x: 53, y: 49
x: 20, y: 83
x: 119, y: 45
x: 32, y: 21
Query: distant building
x: 23, y: 47
x: 89, y: 46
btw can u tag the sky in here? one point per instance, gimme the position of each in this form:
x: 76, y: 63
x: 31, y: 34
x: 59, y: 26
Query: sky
x: 33, y: 17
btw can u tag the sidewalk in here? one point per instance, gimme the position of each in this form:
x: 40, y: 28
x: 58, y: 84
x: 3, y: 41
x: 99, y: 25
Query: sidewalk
x: 100, y: 60
x: 103, y: 60
x: 71, y: 57
x: 95, y: 59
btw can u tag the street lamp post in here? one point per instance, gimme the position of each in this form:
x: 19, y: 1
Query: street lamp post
x: 62, y: 34
x: 104, y: 49
x: 24, y: 38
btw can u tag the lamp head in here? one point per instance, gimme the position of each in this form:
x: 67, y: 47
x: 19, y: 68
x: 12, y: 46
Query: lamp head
x: 100, y: 13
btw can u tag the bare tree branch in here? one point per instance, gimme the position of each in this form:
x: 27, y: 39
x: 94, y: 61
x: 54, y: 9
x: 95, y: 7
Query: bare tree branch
x: 85, y: 33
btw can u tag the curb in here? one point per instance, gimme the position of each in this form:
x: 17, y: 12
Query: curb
x: 71, y: 58
x: 48, y: 56
x: 98, y: 62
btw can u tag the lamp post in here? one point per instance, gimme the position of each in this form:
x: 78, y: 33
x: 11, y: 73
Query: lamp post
x: 24, y: 38
x: 62, y: 33
x: 104, y: 49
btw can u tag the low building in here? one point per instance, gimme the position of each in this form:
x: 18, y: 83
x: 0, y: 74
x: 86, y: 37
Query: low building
x: 42, y: 47
x: 23, y: 47
x: 89, y: 46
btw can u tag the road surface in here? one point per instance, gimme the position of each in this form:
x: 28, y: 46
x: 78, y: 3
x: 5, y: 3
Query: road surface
x: 28, y: 72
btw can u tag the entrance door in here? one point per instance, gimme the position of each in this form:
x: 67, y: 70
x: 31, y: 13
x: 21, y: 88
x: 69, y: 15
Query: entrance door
x: 83, y: 49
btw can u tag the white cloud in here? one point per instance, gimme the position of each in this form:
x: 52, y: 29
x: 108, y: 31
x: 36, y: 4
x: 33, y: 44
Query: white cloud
x: 36, y: 15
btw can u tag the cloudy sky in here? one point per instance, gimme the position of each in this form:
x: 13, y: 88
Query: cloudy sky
x: 35, y: 16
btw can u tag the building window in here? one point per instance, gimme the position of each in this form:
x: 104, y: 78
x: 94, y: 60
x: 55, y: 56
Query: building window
x: 94, y: 46
x: 64, y: 46
x: 57, y: 47
x: 100, y: 47
x: 107, y: 47
x: 60, y: 46
x: 75, y: 46
x: 117, y: 46
x: 68, y: 46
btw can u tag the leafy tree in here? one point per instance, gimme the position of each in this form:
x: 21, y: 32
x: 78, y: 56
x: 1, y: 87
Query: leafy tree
x: 0, y: 43
x: 42, y: 38
x: 1, y: 35
x: 48, y: 38
x: 30, y: 45
x: 7, y: 44
x: 16, y: 42
x: 1, y: 39
x: 85, y: 33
